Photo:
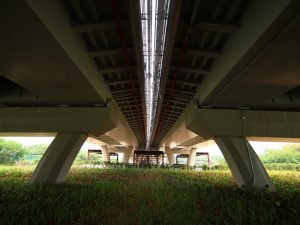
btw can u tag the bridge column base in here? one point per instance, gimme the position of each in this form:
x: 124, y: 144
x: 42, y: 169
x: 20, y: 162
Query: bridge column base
x: 127, y: 154
x: 105, y: 153
x: 170, y: 156
x: 58, y: 158
x: 245, y: 165
x: 192, y: 157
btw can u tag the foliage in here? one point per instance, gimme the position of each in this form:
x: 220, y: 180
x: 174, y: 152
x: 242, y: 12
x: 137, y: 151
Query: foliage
x: 283, y: 166
x: 287, y: 158
x: 288, y: 154
x: 81, y: 156
x: 10, y: 151
x: 146, y: 196
x: 38, y: 149
x: 33, y: 154
x: 220, y: 167
x: 81, y: 159
x: 218, y: 160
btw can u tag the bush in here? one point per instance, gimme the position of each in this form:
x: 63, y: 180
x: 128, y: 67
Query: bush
x: 289, y: 154
x: 282, y: 166
x: 220, y: 167
x: 10, y: 152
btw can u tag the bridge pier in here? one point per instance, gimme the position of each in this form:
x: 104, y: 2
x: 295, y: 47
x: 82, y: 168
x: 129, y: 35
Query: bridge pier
x: 127, y: 154
x: 246, y: 167
x: 72, y: 124
x: 106, y: 149
x: 58, y: 158
x: 190, y: 151
x: 170, y: 155
x: 105, y: 153
x: 192, y: 157
x: 229, y: 128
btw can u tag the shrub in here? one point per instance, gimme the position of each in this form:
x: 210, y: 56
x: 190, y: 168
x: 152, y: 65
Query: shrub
x: 282, y: 166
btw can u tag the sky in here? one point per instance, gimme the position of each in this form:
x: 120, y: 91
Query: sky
x: 259, y: 147
x: 27, y: 141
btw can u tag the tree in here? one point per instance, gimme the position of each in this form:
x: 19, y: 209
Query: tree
x: 288, y: 154
x: 218, y: 160
x: 81, y: 156
x: 38, y: 149
x: 10, y: 151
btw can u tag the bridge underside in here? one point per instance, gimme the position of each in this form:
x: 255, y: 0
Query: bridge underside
x: 75, y: 69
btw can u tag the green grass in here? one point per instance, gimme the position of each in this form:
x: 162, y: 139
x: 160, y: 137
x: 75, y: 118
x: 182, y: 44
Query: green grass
x: 21, y: 168
x: 146, y: 196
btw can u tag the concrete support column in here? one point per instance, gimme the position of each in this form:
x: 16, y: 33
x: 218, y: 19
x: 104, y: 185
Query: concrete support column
x: 105, y: 153
x: 245, y: 165
x: 126, y: 154
x: 170, y: 155
x: 192, y: 157
x: 58, y: 158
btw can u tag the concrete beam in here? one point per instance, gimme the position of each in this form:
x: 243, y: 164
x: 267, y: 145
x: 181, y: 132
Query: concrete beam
x: 94, y: 121
x: 229, y: 129
x: 115, y: 82
x: 216, y: 27
x: 190, y: 151
x: 192, y: 70
x: 172, y: 130
x: 105, y: 52
x: 209, y: 123
x: 113, y: 69
x: 170, y: 155
x: 58, y: 158
x: 271, y: 139
x: 186, y: 82
x: 192, y: 157
x: 55, y: 18
x: 105, y: 153
x: 126, y: 154
x: 26, y: 134
x: 223, y: 28
x: 199, y: 52
x: 259, y: 27
x: 103, y: 26
x: 32, y: 58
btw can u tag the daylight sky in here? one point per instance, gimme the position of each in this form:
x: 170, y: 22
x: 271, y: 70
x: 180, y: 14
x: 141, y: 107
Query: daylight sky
x: 259, y: 146
x: 27, y: 141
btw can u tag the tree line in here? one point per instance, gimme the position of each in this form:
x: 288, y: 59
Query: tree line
x: 13, y: 151
x: 288, y: 158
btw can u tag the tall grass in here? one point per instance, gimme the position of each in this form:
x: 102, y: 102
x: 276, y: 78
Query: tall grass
x: 146, y: 196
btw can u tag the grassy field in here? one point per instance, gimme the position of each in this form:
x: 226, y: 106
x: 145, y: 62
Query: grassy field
x: 146, y: 196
